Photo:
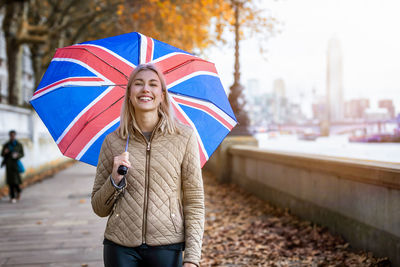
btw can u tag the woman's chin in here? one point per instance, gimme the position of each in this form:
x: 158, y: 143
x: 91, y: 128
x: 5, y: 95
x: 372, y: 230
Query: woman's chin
x: 145, y: 108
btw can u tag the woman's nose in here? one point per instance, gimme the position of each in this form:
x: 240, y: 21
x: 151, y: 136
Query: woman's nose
x: 146, y: 88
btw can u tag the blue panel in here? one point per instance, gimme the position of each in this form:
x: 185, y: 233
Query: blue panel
x: 210, y: 130
x: 59, y: 70
x: 58, y: 108
x: 207, y: 88
x: 126, y: 45
x: 161, y: 49
x: 92, y: 154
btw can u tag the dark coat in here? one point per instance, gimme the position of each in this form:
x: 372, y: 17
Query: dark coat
x: 12, y: 174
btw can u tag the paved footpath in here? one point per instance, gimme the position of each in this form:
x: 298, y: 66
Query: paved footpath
x: 53, y: 224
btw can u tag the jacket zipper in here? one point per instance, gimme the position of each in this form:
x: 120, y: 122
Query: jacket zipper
x: 146, y: 182
x: 146, y: 193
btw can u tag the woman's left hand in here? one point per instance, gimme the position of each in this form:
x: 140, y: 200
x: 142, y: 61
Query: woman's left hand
x: 188, y: 264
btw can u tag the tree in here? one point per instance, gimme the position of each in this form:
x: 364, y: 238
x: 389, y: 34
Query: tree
x: 45, y: 25
x: 69, y: 22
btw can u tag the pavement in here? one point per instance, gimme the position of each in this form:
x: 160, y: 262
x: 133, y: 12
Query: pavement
x: 53, y: 224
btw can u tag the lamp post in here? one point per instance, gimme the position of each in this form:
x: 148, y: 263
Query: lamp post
x: 236, y: 97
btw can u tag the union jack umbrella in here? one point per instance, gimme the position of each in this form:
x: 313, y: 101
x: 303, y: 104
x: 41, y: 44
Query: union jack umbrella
x: 80, y: 96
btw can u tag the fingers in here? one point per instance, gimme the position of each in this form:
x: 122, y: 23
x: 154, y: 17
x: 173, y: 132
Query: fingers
x: 122, y: 159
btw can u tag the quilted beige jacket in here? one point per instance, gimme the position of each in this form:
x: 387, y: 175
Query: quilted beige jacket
x: 163, y: 201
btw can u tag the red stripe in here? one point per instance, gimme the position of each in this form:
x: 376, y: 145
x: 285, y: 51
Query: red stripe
x: 107, y: 57
x: 205, y: 109
x: 149, y: 49
x: 92, y: 112
x: 188, y: 69
x: 92, y: 128
x: 170, y: 63
x: 75, y: 79
x: 184, y: 121
x: 94, y: 62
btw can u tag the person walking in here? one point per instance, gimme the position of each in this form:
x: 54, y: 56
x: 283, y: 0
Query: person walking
x: 156, y: 210
x: 12, y: 152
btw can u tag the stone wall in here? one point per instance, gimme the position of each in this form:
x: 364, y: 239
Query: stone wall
x: 359, y: 200
x: 41, y: 152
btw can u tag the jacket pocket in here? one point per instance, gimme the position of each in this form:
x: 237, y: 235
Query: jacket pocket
x: 176, y: 214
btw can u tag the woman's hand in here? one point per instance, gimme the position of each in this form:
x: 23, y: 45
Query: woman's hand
x: 188, y: 264
x: 122, y: 159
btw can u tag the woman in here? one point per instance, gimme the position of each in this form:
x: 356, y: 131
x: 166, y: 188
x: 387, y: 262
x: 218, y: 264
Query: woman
x: 156, y: 210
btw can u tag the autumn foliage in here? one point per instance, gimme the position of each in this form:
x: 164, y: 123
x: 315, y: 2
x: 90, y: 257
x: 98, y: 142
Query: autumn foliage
x: 191, y: 25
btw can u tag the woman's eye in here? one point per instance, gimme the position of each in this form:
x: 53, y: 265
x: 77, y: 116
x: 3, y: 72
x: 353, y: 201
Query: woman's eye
x: 153, y: 85
x: 138, y: 84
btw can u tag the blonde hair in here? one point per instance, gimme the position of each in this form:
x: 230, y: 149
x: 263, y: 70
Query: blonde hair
x: 166, y: 114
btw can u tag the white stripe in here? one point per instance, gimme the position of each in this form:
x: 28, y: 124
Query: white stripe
x: 152, y: 49
x: 83, y: 65
x: 191, y: 75
x: 112, y: 53
x: 171, y: 55
x: 94, y: 139
x: 82, y: 112
x: 143, y: 48
x: 83, y: 77
x: 80, y: 83
x: 210, y: 105
x: 193, y: 127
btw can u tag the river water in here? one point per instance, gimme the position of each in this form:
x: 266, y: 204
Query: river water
x: 335, y: 145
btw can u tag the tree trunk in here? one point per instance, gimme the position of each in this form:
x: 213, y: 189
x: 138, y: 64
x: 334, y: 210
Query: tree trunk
x: 11, y: 24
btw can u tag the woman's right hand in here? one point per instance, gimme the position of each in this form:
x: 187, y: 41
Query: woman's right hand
x: 122, y: 159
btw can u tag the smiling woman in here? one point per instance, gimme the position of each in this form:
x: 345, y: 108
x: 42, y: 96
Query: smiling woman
x: 156, y: 210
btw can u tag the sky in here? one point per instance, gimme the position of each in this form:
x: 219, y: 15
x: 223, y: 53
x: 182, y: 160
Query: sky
x: 368, y: 31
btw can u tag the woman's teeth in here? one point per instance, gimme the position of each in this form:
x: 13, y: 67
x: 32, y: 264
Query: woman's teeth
x: 145, y: 98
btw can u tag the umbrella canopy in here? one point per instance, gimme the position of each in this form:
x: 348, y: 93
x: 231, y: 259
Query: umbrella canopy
x: 81, y: 94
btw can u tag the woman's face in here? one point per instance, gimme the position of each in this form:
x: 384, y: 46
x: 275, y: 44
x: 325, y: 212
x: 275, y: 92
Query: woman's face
x: 146, y: 92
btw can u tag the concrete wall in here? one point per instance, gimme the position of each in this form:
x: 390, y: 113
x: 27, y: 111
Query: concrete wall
x: 40, y: 150
x: 358, y: 200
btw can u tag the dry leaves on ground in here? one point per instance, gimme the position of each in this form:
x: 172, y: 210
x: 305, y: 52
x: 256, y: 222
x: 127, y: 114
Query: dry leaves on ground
x: 242, y: 230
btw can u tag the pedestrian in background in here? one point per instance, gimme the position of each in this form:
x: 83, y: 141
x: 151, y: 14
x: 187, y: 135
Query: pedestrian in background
x: 12, y: 152
x: 156, y: 210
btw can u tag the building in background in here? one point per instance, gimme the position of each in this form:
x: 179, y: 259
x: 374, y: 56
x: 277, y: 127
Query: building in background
x: 279, y: 101
x: 334, y: 81
x: 355, y: 108
x: 259, y: 104
x: 388, y: 104
x: 319, y: 108
x: 376, y: 114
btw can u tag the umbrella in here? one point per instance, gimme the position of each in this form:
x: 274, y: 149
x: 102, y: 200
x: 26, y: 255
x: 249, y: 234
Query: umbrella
x: 81, y: 93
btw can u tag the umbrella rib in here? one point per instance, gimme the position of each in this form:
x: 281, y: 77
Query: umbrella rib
x: 180, y: 65
x: 99, y: 58
x: 86, y: 123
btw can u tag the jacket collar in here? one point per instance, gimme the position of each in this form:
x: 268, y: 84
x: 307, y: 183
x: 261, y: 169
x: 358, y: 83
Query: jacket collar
x: 139, y: 134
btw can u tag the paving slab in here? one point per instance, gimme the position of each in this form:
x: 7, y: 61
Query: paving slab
x: 53, y: 224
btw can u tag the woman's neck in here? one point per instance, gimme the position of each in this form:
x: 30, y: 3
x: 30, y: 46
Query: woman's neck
x: 147, y: 120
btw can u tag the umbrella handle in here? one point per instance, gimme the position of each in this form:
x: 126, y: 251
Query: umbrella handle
x: 122, y: 170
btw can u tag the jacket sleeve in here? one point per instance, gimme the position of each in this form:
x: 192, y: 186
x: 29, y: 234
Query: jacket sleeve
x: 104, y: 193
x: 193, y: 202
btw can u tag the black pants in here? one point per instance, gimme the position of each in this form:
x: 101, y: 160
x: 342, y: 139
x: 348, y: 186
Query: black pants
x: 143, y: 256
x: 14, y: 188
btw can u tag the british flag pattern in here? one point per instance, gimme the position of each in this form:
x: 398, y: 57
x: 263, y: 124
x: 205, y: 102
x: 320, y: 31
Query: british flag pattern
x: 81, y: 93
